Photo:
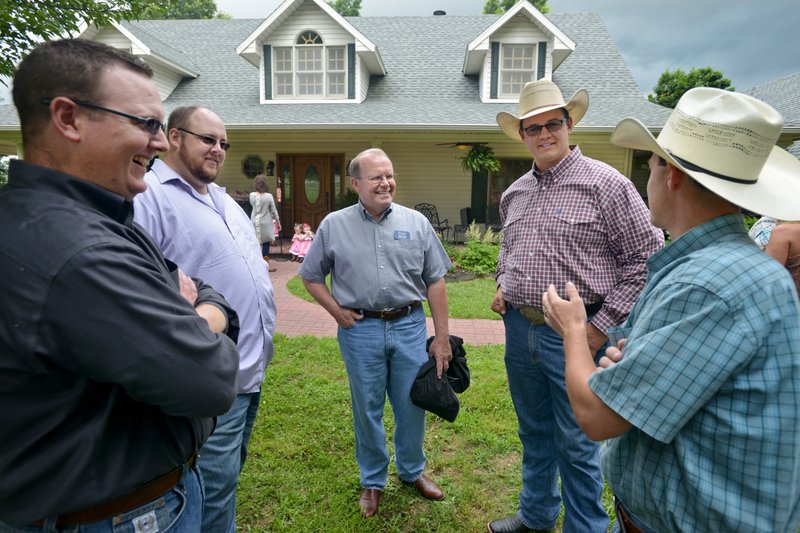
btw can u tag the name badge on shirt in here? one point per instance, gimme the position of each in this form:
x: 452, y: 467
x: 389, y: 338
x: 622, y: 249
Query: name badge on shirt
x: 402, y: 236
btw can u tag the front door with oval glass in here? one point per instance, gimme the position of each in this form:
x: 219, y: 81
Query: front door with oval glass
x: 313, y: 185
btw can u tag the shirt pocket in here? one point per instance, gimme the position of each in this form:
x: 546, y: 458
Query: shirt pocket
x: 409, y: 255
x: 578, y: 224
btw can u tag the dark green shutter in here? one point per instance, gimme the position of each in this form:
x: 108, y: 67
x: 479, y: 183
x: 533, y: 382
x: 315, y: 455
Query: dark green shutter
x: 542, y: 60
x: 495, y: 69
x: 480, y: 186
x: 267, y: 72
x: 351, y: 71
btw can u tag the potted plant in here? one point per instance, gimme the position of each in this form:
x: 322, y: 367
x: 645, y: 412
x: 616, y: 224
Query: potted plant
x: 480, y: 158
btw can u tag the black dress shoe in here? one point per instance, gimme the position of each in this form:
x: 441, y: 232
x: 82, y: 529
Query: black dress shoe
x: 512, y: 524
x: 368, y: 501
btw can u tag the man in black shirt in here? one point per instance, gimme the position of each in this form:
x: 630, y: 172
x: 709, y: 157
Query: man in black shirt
x: 112, y: 362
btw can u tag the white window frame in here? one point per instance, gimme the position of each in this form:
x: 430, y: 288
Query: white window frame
x: 518, y: 68
x: 329, y: 74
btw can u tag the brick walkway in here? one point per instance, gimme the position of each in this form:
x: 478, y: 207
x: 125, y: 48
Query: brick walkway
x: 297, y: 317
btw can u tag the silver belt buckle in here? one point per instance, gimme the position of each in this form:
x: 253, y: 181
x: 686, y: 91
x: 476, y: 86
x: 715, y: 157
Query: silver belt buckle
x: 531, y: 314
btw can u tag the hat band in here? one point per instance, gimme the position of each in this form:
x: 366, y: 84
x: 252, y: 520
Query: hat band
x: 697, y: 168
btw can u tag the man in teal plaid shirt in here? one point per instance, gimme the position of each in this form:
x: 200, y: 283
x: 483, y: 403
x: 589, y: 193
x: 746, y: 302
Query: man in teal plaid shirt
x: 703, y: 410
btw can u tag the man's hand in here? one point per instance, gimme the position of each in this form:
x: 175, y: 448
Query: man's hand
x: 499, y: 302
x: 346, y: 317
x: 440, y: 349
x: 562, y: 315
x: 613, y: 355
x: 188, y: 288
x: 595, y: 337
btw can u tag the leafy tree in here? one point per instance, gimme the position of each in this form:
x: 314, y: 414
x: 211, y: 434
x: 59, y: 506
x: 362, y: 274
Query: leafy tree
x: 496, y: 7
x: 347, y: 8
x: 672, y: 84
x: 182, y: 9
x: 3, y: 170
x: 23, y: 24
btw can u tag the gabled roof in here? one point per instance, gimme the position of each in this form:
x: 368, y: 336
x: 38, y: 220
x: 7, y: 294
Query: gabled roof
x: 145, y: 44
x: 784, y: 95
x: 424, y: 88
x: 476, y: 50
x: 366, y: 48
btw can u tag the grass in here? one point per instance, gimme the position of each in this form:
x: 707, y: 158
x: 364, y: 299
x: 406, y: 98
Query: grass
x: 466, y: 299
x: 301, y: 474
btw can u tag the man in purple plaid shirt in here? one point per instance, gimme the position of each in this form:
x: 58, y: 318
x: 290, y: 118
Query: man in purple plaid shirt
x: 571, y: 218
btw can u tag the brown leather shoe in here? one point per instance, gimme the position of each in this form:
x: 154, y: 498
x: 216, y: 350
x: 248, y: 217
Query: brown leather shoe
x: 427, y: 487
x: 368, y: 501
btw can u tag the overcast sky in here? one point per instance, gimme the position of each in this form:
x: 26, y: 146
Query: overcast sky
x: 750, y: 42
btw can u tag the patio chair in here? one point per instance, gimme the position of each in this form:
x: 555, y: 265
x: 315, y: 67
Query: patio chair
x: 430, y: 212
x: 466, y: 220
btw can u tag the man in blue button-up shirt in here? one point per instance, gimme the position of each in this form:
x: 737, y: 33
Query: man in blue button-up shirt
x: 704, y: 408
x: 383, y: 259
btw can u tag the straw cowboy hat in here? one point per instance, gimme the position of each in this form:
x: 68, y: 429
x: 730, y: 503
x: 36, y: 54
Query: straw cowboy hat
x: 540, y: 97
x: 726, y: 142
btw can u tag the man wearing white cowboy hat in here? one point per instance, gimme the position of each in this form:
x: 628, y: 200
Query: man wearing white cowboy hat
x: 705, y: 404
x: 571, y: 218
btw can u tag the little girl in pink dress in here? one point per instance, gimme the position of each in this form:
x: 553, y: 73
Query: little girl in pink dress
x: 297, y: 242
x: 308, y: 236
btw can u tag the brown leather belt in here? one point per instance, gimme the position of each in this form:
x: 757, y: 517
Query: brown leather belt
x: 142, y: 495
x: 536, y: 317
x: 626, y: 525
x: 391, y: 314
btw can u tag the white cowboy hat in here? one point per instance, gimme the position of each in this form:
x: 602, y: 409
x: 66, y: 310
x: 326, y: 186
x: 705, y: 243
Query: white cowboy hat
x: 540, y: 97
x: 726, y: 142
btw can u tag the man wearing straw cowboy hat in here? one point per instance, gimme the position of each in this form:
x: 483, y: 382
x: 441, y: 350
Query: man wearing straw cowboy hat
x: 705, y: 404
x: 571, y: 218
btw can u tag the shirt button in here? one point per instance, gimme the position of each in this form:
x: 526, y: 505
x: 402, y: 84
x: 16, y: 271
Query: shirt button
x: 572, y: 221
x: 528, y: 278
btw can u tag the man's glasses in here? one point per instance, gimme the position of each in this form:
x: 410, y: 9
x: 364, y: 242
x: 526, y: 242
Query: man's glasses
x: 379, y: 179
x: 151, y: 125
x: 552, y: 126
x: 207, y: 139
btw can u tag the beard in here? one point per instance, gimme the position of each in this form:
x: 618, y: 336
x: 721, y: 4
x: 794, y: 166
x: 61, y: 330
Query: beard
x: 198, y: 170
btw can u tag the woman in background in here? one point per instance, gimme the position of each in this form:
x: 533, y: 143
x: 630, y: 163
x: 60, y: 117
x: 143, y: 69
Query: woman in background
x: 784, y: 246
x: 263, y: 215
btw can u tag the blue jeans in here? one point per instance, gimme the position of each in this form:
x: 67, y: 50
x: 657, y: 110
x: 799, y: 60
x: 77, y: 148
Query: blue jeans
x: 382, y: 358
x: 552, y: 441
x: 222, y: 458
x: 179, y: 510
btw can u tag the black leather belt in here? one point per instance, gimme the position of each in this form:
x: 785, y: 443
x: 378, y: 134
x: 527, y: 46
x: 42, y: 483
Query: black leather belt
x: 142, y: 495
x: 391, y: 314
x: 536, y: 317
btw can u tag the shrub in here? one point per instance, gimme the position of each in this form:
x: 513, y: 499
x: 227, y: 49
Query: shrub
x: 479, y: 254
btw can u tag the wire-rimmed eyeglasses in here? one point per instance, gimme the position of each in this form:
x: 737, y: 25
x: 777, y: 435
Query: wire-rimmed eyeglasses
x: 208, y: 140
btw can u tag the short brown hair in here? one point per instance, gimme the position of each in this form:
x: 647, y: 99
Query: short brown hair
x: 67, y: 67
x: 260, y: 183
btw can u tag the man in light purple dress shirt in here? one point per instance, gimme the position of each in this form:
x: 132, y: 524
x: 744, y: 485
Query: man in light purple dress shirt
x: 571, y: 218
x: 197, y: 224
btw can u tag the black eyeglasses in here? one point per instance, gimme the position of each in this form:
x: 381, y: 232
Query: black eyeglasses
x: 208, y: 139
x: 151, y: 125
x: 379, y: 179
x: 552, y: 126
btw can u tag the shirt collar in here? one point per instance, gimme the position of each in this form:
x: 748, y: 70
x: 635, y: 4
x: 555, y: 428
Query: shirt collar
x: 27, y: 175
x: 562, y: 167
x: 724, y: 228
x: 365, y: 214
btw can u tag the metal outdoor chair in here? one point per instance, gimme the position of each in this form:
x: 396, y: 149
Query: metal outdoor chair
x: 430, y: 212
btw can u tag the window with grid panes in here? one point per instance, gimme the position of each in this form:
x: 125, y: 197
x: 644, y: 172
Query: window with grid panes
x: 517, y: 67
x: 310, y: 69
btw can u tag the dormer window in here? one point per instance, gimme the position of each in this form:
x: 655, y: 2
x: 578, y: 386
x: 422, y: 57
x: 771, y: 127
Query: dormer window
x: 310, y: 68
x: 517, y: 67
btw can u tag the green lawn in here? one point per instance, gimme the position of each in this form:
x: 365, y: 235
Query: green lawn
x: 466, y: 299
x: 301, y: 474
